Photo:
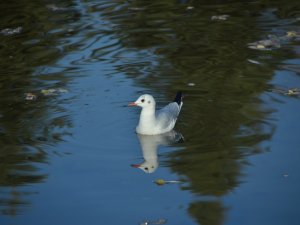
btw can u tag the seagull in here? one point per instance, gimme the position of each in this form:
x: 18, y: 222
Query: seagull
x: 157, y: 122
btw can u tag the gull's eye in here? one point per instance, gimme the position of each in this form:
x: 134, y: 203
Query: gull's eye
x: 142, y: 100
x: 149, y: 102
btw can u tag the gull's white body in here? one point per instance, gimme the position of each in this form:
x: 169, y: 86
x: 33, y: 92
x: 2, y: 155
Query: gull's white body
x: 157, y: 122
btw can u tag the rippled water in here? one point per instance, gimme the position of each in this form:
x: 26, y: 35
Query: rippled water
x: 66, y: 158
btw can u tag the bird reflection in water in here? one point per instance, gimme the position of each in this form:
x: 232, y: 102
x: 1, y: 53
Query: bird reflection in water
x: 149, y: 145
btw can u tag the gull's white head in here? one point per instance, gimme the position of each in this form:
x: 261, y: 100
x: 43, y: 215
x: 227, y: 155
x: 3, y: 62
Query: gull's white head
x: 147, y: 167
x: 144, y: 101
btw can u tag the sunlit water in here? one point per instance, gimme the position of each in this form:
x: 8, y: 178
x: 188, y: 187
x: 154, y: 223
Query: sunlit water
x: 74, y: 157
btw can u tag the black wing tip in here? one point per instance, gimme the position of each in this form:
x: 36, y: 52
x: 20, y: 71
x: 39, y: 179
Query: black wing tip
x: 178, y: 98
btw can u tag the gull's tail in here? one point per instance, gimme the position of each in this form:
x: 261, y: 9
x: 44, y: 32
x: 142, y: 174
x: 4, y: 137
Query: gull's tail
x: 178, y: 98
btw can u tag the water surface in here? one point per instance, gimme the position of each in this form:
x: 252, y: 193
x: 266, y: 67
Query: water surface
x: 66, y: 158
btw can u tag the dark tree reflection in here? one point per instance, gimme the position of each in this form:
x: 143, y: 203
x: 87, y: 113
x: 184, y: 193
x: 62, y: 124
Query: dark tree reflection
x: 223, y: 119
x: 208, y: 212
x: 163, y: 46
x: 27, y: 128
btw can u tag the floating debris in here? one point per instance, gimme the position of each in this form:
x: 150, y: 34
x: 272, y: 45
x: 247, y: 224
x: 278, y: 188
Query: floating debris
x: 70, y: 30
x: 163, y: 182
x: 53, y: 91
x: 30, y: 97
x: 136, y: 8
x: 293, y: 34
x: 285, y: 175
x: 160, y: 182
x: 274, y: 41
x: 220, y: 17
x: 253, y: 61
x: 190, y: 8
x: 55, y: 8
x: 293, y: 92
x: 45, y: 92
x: 267, y: 44
x: 156, y: 222
x: 11, y: 31
x: 191, y: 84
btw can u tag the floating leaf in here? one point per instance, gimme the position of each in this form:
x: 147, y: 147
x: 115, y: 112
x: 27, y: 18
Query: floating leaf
x: 293, y: 34
x: 52, y: 91
x: 160, y: 182
x: 48, y: 92
x: 163, y: 182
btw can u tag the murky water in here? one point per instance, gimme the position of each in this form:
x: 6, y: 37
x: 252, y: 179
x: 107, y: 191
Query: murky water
x: 68, y: 149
